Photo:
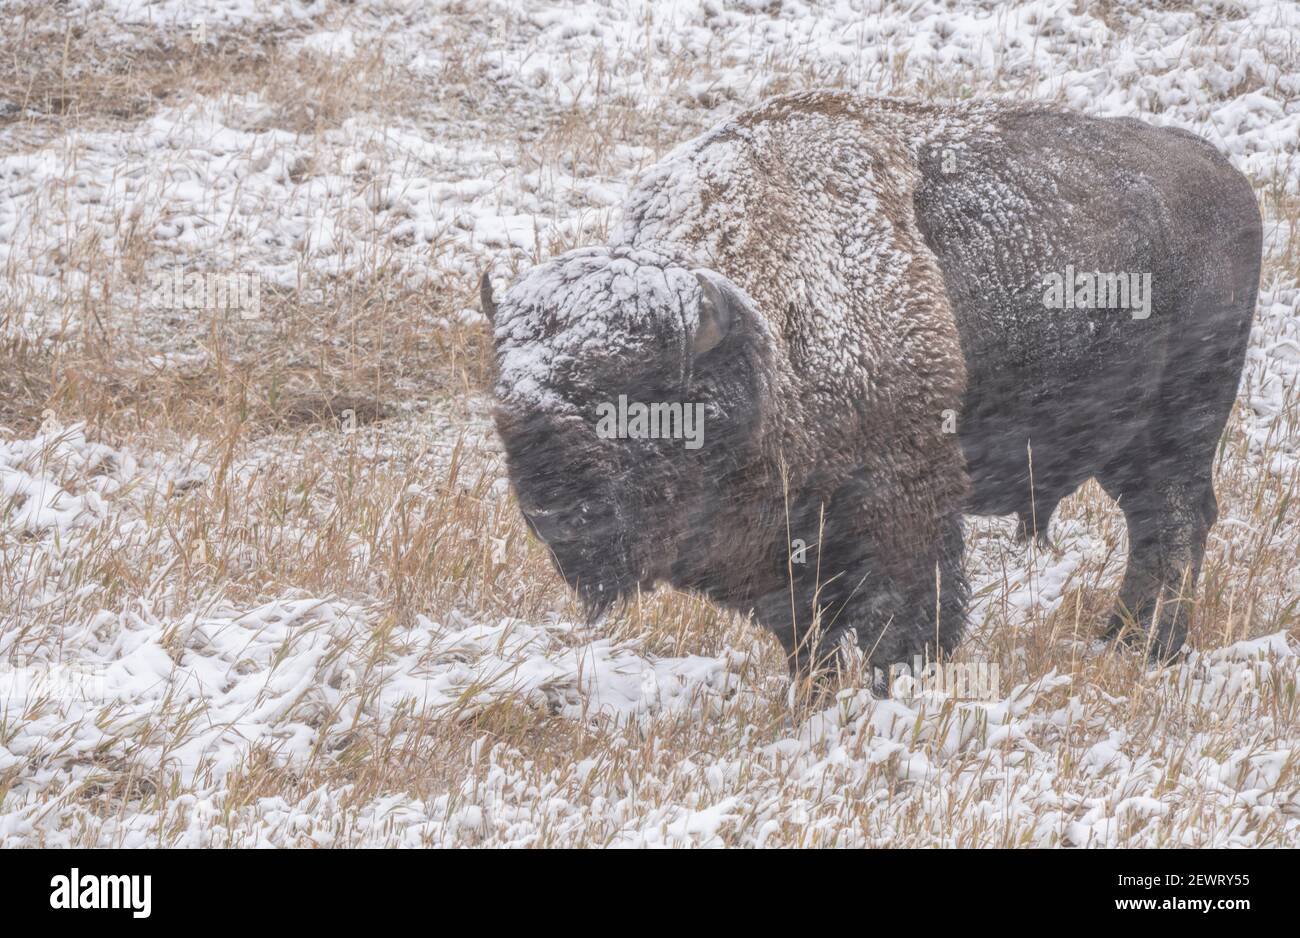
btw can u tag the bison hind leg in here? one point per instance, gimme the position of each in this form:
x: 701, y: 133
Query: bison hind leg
x: 1164, y: 479
x: 1168, y: 521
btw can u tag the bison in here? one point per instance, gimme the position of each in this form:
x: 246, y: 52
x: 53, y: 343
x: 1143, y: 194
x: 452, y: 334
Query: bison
x: 884, y: 314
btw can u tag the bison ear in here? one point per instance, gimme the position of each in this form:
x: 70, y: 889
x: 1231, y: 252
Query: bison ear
x: 485, y: 300
x: 719, y: 310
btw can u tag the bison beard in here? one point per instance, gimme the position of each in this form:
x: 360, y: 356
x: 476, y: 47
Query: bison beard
x: 841, y: 283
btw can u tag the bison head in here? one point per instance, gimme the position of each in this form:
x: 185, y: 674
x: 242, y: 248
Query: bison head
x: 630, y: 396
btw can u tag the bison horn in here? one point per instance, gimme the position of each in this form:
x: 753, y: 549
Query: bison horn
x: 488, y: 305
x: 720, y: 305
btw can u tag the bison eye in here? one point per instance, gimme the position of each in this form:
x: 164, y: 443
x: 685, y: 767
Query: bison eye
x: 557, y: 524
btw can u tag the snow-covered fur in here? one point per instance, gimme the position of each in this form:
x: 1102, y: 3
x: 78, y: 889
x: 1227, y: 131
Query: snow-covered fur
x: 821, y: 273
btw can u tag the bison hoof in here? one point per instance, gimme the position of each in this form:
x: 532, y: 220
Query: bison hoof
x: 1163, y: 645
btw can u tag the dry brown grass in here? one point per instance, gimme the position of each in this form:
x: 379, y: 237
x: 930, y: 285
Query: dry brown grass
x: 58, y: 69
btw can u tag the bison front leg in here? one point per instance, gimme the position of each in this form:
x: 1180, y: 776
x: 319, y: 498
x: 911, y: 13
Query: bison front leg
x: 893, y: 608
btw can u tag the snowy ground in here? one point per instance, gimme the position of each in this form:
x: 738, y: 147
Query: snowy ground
x: 261, y: 582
